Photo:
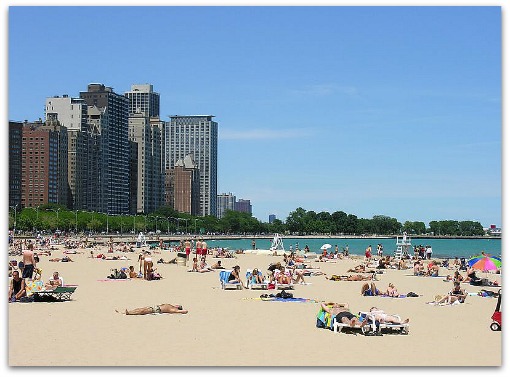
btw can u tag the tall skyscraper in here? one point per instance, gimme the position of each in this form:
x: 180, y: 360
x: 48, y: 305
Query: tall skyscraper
x: 72, y: 114
x: 225, y: 202
x: 143, y: 99
x: 108, y: 116
x: 196, y: 135
x: 147, y: 136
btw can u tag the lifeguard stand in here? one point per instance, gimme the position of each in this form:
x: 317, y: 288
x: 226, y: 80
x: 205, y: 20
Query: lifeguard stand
x: 403, y: 246
x: 277, y: 243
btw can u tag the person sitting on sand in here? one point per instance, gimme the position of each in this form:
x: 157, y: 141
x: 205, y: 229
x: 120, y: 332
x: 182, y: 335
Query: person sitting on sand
x: 382, y: 317
x: 194, y: 267
x: 457, y: 294
x: 203, y: 267
x: 54, y: 282
x: 342, y: 313
x: 132, y: 273
x: 391, y: 290
x: 17, y: 288
x: 370, y: 290
x: 157, y: 309
x: 419, y: 269
x: 472, y: 278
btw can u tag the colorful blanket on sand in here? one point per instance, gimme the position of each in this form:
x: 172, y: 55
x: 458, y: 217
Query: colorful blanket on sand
x: 295, y: 299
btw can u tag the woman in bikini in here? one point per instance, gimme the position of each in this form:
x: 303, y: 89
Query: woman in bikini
x: 235, y: 276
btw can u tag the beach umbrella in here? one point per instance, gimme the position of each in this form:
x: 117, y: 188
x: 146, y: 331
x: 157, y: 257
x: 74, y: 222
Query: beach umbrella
x: 326, y: 246
x: 484, y: 263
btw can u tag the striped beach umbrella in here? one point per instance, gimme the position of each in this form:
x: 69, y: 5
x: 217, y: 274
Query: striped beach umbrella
x: 484, y: 263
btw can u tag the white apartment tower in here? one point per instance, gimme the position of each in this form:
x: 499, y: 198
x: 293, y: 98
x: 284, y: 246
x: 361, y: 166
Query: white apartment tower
x: 72, y: 113
x: 195, y: 135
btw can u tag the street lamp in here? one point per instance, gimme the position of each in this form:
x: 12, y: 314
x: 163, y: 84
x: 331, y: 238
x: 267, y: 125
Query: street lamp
x: 134, y: 219
x: 186, y: 224
x: 56, y: 211
x: 168, y: 224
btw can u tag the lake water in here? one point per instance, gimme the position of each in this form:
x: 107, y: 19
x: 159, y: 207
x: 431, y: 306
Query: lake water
x: 441, y: 248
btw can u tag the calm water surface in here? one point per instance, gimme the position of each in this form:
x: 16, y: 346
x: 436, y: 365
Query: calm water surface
x: 442, y: 248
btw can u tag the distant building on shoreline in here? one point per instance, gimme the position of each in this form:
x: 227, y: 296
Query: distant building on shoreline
x: 243, y: 205
x: 225, y: 202
x: 272, y: 218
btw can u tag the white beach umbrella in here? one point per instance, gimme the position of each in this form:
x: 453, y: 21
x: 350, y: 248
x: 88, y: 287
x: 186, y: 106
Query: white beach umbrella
x: 326, y: 246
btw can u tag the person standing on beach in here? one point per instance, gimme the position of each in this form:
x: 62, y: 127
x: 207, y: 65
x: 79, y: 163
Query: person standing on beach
x: 187, y: 247
x: 28, y: 261
x: 253, y: 244
x: 368, y: 253
x: 204, y: 248
x: 198, y: 248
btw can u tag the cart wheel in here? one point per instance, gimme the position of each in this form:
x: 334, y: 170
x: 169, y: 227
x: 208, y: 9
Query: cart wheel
x: 495, y: 326
x: 405, y: 331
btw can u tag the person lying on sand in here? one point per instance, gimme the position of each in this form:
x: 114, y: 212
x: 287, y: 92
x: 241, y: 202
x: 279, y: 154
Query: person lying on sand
x: 342, y: 313
x: 156, y: 309
x: 361, y: 268
x: 457, y: 294
x: 350, y: 277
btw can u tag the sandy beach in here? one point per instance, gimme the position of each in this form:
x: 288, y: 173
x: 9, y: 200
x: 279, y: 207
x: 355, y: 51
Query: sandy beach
x: 236, y: 327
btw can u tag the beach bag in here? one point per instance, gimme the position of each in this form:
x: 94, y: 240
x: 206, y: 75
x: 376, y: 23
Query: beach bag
x: 412, y: 294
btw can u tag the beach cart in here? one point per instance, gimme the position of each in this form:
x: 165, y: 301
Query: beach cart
x: 496, y: 317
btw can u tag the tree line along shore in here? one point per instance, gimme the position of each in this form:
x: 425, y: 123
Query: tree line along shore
x: 299, y: 223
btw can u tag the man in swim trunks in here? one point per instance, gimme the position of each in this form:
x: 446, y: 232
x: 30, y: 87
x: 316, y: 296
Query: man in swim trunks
x: 198, y: 248
x: 187, y: 247
x: 157, y: 309
x: 204, y: 248
x: 343, y: 314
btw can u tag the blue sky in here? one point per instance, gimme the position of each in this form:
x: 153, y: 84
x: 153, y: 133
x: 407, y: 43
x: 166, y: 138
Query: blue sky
x: 369, y: 110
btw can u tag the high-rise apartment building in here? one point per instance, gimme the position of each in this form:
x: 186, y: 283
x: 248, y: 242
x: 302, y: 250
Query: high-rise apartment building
x: 243, y: 205
x: 183, y: 185
x: 225, y: 202
x: 147, y: 135
x: 15, y: 146
x: 196, y: 135
x: 44, y: 164
x: 143, y: 99
x: 72, y: 114
x: 108, y: 117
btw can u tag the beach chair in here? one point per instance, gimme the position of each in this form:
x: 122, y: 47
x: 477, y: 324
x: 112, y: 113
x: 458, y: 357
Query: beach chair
x: 224, y: 274
x: 254, y: 285
x: 57, y: 294
x: 369, y: 329
x: 381, y: 327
